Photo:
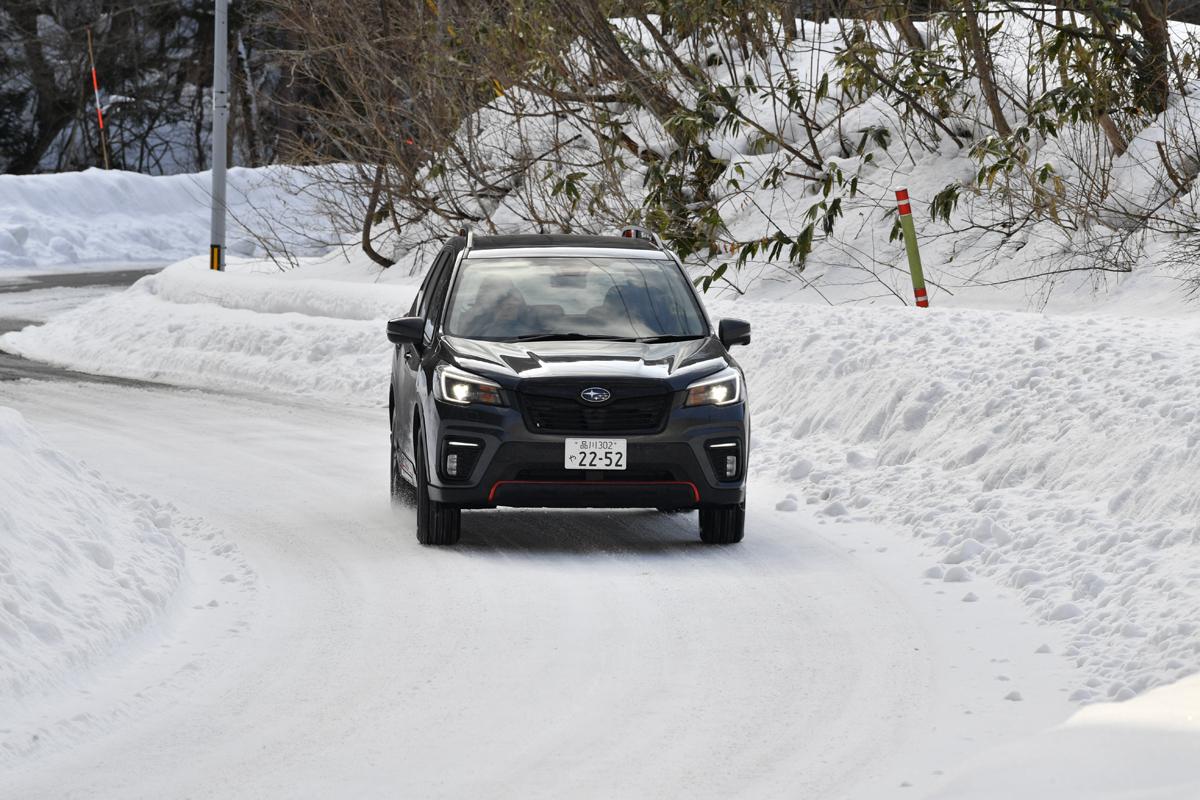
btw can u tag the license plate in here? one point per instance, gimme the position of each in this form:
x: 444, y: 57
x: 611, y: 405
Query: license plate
x: 594, y: 454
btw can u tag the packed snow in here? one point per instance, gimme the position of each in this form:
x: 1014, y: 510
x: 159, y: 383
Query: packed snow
x: 364, y: 653
x: 40, y: 305
x: 83, y: 565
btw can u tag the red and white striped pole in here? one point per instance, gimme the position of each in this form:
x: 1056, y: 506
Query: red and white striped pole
x: 96, y: 95
x: 910, y: 246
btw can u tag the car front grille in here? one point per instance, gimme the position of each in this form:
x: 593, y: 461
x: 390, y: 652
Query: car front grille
x: 556, y: 407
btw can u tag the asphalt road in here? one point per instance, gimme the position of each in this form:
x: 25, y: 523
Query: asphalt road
x: 14, y: 367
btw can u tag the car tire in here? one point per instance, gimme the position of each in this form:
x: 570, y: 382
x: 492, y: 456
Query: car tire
x: 723, y: 524
x: 402, y: 491
x: 437, y: 523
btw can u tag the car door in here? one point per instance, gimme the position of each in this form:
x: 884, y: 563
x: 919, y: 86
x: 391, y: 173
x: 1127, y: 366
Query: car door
x: 406, y: 363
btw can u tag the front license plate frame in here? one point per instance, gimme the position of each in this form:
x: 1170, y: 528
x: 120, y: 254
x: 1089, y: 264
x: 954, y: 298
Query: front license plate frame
x: 593, y: 453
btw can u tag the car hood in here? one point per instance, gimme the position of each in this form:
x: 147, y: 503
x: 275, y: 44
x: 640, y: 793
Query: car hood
x: 508, y: 362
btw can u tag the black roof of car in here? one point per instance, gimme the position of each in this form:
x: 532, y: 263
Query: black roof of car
x: 550, y: 240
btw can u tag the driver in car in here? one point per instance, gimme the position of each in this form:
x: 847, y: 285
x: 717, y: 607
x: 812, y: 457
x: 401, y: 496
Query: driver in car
x: 500, y: 309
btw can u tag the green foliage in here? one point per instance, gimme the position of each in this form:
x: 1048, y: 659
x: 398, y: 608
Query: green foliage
x: 568, y: 186
x: 944, y: 202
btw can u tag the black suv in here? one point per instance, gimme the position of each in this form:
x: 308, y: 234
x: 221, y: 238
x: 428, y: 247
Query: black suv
x: 566, y: 372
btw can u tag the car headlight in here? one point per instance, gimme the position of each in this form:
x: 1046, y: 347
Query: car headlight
x: 453, y: 385
x: 721, y: 389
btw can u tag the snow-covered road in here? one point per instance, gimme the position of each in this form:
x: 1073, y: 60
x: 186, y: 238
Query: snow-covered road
x: 550, y: 655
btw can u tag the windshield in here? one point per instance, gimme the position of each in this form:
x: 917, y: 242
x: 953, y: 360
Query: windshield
x: 598, y: 297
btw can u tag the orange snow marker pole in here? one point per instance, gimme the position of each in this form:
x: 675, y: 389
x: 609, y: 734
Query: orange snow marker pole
x: 910, y: 246
x: 96, y: 94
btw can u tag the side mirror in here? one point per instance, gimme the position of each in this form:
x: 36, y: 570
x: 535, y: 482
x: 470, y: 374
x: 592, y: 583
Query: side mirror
x: 733, y: 331
x: 406, y: 330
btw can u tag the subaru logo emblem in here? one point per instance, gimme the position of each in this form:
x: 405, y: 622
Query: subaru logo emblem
x: 595, y: 394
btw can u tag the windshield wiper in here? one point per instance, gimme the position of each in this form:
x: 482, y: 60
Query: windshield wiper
x: 670, y: 337
x: 550, y: 337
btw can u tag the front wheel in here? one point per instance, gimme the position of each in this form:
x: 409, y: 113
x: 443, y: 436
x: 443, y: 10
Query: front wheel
x: 437, y: 523
x: 723, y: 524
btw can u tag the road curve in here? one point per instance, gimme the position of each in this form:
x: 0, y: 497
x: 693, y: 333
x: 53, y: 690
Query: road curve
x: 550, y: 655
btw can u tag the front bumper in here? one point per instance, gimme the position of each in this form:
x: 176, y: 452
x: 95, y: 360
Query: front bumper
x: 516, y: 467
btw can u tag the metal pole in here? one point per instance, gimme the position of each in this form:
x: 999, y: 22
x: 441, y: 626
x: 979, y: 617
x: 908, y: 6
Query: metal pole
x: 910, y: 246
x: 220, y: 128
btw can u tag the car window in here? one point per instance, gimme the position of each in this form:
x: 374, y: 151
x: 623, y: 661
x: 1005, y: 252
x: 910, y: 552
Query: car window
x: 437, y: 290
x: 418, y: 303
x: 504, y: 298
x: 425, y: 296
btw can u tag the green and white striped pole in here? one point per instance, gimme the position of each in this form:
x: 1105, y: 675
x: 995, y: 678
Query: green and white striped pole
x: 910, y: 246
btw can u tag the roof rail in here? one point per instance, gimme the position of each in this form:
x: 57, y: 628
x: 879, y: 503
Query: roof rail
x: 635, y: 232
x: 470, y: 234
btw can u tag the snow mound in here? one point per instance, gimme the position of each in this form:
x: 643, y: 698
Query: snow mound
x: 1055, y: 456
x: 66, y: 221
x: 280, y: 293
x: 235, y: 331
x: 83, y: 566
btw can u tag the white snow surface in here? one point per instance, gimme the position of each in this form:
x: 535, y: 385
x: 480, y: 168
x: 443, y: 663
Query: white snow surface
x: 1055, y: 455
x: 40, y: 305
x: 83, y: 565
x: 240, y: 330
x: 564, y: 653
x: 94, y: 219
x: 1144, y: 748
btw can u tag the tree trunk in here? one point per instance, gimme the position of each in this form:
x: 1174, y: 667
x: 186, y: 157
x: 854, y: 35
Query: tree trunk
x: 791, y: 10
x: 908, y: 31
x: 53, y: 109
x: 1154, y: 69
x: 369, y: 221
x: 984, y: 69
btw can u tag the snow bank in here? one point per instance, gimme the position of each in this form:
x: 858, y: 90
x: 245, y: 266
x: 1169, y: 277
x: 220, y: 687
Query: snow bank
x: 69, y: 220
x: 233, y: 331
x: 83, y: 566
x: 1145, y: 748
x: 1052, y: 457
x: 192, y: 283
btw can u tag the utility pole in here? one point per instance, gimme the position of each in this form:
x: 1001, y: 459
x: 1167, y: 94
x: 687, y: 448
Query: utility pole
x: 220, y: 92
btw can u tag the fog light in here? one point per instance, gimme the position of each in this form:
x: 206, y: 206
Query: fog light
x: 459, y: 457
x: 725, y: 455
